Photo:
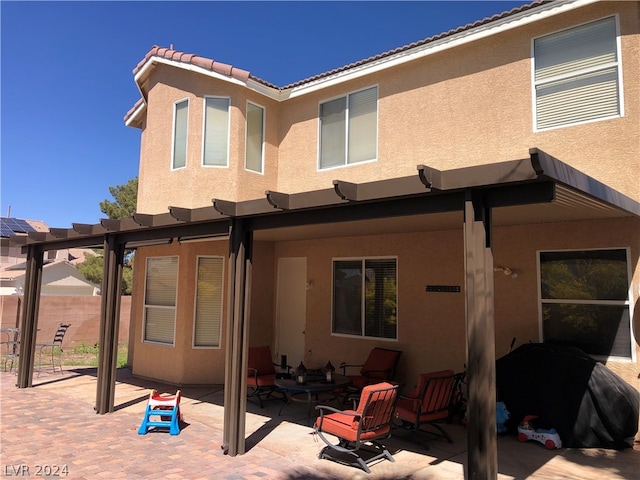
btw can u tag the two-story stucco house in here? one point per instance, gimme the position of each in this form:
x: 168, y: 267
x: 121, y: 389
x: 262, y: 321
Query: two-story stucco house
x: 560, y: 77
x: 440, y: 199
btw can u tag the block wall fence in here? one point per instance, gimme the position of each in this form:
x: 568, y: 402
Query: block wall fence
x: 81, y: 311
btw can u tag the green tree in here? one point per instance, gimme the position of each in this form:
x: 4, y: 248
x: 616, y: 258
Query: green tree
x: 93, y: 265
x: 125, y: 197
x: 91, y: 268
x: 124, y: 205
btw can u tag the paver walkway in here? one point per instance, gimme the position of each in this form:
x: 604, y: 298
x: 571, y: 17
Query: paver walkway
x: 52, y: 428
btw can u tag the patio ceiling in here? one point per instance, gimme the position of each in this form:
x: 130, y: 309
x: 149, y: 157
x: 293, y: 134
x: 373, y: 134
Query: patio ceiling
x: 568, y: 205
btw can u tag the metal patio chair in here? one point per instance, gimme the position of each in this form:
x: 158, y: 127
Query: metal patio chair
x: 57, y: 342
x: 430, y: 404
x: 380, y: 366
x: 358, y: 430
x: 261, y: 375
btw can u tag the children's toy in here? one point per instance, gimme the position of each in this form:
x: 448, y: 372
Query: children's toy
x: 502, y: 415
x: 527, y: 431
x: 166, y: 408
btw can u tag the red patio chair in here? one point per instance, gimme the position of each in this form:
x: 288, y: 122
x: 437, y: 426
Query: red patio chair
x: 380, y: 366
x: 430, y: 403
x: 261, y: 374
x: 359, y: 429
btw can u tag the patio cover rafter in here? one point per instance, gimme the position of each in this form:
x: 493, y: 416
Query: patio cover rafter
x: 531, y: 180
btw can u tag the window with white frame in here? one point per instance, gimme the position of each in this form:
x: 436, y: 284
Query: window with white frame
x: 180, y: 121
x: 208, y: 314
x: 576, y: 75
x: 365, y: 297
x: 585, y: 300
x: 255, y: 138
x: 160, y: 295
x: 215, y: 150
x: 349, y: 129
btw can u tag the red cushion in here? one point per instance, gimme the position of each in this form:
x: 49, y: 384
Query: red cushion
x: 346, y: 426
x: 262, y: 380
x: 435, y: 399
x: 380, y: 363
x: 406, y: 410
x: 260, y: 359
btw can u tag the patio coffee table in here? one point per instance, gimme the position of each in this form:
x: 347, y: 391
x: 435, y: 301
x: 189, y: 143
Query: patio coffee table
x: 315, y: 385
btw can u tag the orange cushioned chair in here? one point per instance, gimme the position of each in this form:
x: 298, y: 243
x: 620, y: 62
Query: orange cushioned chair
x: 430, y: 403
x: 380, y: 366
x: 360, y: 428
x: 261, y: 374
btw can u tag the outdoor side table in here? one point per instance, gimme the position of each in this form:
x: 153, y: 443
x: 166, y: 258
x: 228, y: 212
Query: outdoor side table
x: 310, y: 390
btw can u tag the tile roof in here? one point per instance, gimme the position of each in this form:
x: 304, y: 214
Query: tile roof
x: 419, y: 43
x: 193, y: 59
x: 243, y: 75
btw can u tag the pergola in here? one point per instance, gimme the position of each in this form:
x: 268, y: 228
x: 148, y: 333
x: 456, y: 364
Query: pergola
x: 539, y: 188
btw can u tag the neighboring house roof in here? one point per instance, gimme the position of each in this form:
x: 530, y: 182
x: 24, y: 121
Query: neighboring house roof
x: 196, y: 62
x: 20, y: 267
x: 59, y: 274
x: 61, y: 271
x: 11, y: 225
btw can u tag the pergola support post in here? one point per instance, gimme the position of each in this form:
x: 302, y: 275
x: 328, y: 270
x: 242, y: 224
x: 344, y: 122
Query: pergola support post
x: 481, y: 374
x: 239, y: 297
x: 109, y: 324
x: 31, y: 305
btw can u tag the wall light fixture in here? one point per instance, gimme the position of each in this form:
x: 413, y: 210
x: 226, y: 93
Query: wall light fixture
x: 508, y: 272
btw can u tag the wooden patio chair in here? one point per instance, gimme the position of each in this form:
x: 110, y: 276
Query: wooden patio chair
x: 261, y: 374
x: 358, y: 430
x: 430, y: 404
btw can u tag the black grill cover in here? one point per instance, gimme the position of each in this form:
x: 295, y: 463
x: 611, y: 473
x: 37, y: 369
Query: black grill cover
x: 588, y: 404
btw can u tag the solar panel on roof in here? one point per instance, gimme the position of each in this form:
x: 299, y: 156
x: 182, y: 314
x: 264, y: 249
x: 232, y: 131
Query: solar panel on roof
x: 9, y: 226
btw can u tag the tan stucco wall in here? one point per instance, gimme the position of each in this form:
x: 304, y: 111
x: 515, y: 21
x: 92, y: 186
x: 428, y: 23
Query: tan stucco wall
x: 195, y: 185
x: 182, y: 364
x: 431, y: 326
x: 423, y: 259
x: 472, y: 105
x: 460, y: 107
x: 467, y: 106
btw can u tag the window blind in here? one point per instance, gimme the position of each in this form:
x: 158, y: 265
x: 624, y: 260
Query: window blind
x: 255, y: 137
x: 576, y: 75
x: 208, y: 315
x: 180, y: 134
x: 365, y: 297
x: 380, y: 298
x: 363, y: 108
x: 332, y: 132
x: 160, y: 299
x: 216, y: 132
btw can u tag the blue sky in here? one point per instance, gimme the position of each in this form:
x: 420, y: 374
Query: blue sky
x: 66, y: 76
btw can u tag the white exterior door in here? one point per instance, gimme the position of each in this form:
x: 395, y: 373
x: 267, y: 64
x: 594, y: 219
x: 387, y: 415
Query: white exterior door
x: 291, y: 309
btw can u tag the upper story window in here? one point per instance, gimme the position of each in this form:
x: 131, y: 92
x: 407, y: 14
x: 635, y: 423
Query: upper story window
x: 215, y: 150
x: 254, y: 160
x: 160, y: 297
x: 365, y: 297
x: 180, y: 121
x: 577, y: 75
x: 349, y: 129
x: 585, y: 301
